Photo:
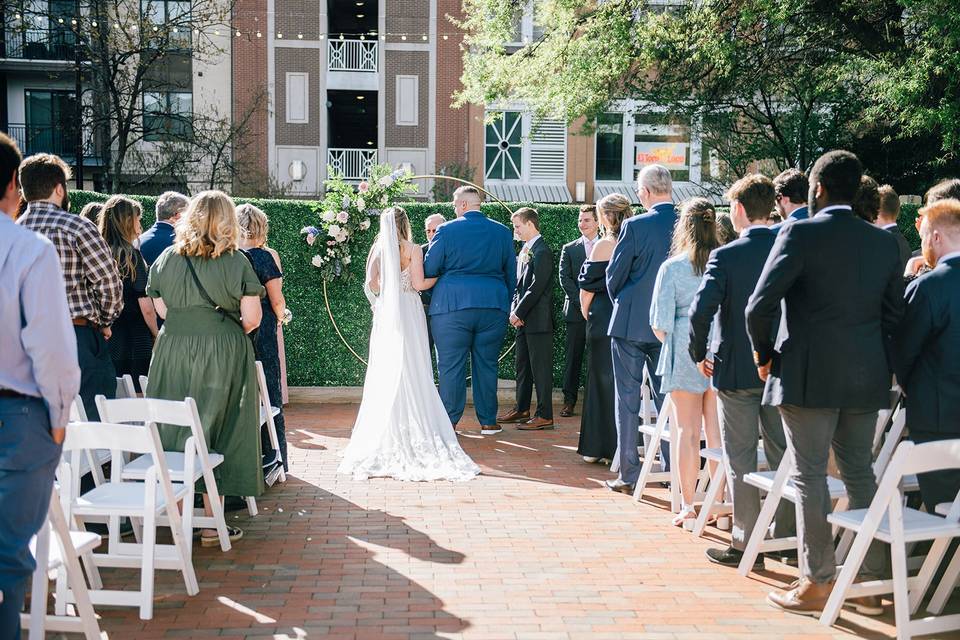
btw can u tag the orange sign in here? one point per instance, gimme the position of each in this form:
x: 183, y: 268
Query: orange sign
x: 672, y: 155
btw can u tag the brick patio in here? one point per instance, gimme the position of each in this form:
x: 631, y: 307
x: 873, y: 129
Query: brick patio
x: 534, y: 548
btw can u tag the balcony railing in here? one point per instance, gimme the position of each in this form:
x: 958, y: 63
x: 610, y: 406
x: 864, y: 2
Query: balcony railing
x: 352, y: 55
x: 58, y: 140
x: 352, y: 164
x: 39, y: 44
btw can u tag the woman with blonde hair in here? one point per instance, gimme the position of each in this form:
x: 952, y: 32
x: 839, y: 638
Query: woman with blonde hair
x: 209, y: 296
x: 694, y: 400
x: 598, y: 426
x: 133, y: 332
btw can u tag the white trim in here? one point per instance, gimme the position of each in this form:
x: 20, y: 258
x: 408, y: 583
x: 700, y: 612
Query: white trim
x: 292, y: 116
x: 271, y: 92
x: 405, y: 46
x: 432, y: 97
x: 286, y: 43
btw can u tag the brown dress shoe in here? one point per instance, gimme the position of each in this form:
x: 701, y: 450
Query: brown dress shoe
x: 807, y: 599
x: 567, y: 410
x: 536, y: 424
x: 513, y: 416
x: 866, y: 605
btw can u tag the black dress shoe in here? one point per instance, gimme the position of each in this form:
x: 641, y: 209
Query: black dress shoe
x: 731, y: 557
x: 619, y: 486
x: 788, y: 558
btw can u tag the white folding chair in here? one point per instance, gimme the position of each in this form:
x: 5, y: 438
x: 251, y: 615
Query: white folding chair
x: 143, y: 384
x: 94, y: 460
x: 125, y: 388
x: 63, y: 557
x: 156, y: 496
x: 648, y: 416
x: 712, y: 504
x: 267, y: 413
x: 889, y: 521
x: 658, y: 433
x: 181, y: 414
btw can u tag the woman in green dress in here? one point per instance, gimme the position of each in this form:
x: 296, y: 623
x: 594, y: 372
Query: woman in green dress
x: 202, y: 351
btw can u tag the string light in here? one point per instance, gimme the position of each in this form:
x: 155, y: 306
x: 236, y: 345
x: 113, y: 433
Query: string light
x: 259, y: 35
x: 299, y: 36
x: 423, y: 37
x: 94, y: 24
x: 279, y: 36
x: 238, y: 33
x: 403, y: 37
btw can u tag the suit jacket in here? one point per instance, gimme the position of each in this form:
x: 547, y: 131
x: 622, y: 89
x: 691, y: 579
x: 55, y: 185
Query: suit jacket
x: 905, y: 251
x: 841, y: 282
x: 928, y: 350
x: 155, y: 241
x: 798, y: 214
x: 644, y: 244
x: 474, y: 258
x: 533, y: 299
x: 426, y: 294
x: 730, y: 277
x: 572, y: 256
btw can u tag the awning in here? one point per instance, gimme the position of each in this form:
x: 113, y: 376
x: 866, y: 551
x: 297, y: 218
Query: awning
x: 681, y: 192
x: 522, y: 192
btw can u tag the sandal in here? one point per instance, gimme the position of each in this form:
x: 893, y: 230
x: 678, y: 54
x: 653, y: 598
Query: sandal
x: 686, y: 513
x: 233, y: 533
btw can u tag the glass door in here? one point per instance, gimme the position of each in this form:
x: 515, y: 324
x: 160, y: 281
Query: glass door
x: 51, y: 122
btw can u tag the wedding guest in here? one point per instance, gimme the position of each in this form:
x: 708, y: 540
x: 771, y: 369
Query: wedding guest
x: 887, y: 219
x: 726, y: 230
x: 598, y: 433
x: 254, y: 227
x: 135, y: 329
x: 92, y: 281
x: 729, y: 279
x: 91, y: 211
x: 928, y: 346
x: 643, y: 245
x: 157, y: 238
x: 791, y: 203
x: 866, y: 204
x: 39, y: 379
x: 943, y: 190
x: 209, y: 295
x: 694, y: 400
x: 532, y: 316
x: 430, y: 229
x: 842, y: 288
x: 572, y: 257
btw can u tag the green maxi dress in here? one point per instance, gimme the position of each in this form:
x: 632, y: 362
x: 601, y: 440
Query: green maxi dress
x: 205, y: 356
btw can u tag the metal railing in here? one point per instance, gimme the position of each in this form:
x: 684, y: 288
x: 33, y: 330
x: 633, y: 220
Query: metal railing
x: 39, y: 44
x: 352, y: 55
x: 352, y: 164
x: 60, y: 140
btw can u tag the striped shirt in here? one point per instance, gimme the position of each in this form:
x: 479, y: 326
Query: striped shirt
x: 94, y: 288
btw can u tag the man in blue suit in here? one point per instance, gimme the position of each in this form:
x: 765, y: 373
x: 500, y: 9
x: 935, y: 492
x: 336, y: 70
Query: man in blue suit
x: 643, y: 246
x: 792, y: 188
x: 473, y: 258
x: 157, y: 238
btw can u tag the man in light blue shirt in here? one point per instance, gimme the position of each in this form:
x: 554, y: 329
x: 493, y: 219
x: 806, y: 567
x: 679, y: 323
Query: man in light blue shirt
x: 39, y: 378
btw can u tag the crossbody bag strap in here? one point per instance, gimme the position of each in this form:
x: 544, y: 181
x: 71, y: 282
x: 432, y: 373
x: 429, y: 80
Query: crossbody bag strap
x: 206, y: 297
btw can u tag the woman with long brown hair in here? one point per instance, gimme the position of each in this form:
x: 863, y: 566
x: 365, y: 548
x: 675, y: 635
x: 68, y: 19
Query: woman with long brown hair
x: 694, y: 400
x: 131, y: 342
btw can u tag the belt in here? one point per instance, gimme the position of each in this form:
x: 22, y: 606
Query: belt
x: 80, y: 322
x: 10, y: 393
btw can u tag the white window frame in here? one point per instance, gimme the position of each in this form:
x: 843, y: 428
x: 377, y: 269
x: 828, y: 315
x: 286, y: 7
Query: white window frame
x: 526, y: 127
x: 527, y: 29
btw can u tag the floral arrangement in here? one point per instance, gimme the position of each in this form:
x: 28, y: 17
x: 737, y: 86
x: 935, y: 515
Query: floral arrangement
x: 346, y: 211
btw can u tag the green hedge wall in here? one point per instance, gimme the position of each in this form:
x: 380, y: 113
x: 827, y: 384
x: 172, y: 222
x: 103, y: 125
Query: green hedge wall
x: 315, y: 355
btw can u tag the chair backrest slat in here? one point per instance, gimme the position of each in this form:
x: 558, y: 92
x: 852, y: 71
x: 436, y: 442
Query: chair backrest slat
x: 104, y: 435
x: 125, y: 388
x: 180, y: 413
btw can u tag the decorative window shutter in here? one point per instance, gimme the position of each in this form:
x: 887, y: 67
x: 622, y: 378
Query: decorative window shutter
x: 548, y: 151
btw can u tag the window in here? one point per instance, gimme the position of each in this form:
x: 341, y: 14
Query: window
x: 525, y: 27
x: 173, y: 17
x: 167, y: 115
x: 610, y: 146
x: 657, y: 140
x: 504, y: 147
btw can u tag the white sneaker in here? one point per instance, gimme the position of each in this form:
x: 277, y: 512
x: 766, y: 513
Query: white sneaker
x: 590, y: 459
x: 490, y: 430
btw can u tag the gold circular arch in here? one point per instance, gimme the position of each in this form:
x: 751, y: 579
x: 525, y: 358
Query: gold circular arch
x: 326, y: 298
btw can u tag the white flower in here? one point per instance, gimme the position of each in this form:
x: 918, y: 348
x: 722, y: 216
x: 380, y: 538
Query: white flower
x: 346, y: 259
x: 343, y: 217
x: 333, y: 230
x: 346, y: 201
x: 385, y: 181
x: 342, y: 236
x: 525, y: 257
x: 287, y: 316
x: 328, y: 216
x: 365, y: 225
x: 317, y: 261
x: 329, y: 252
x: 361, y: 205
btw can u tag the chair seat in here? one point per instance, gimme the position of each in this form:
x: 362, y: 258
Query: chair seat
x: 274, y: 411
x: 121, y: 498
x: 715, y: 454
x: 137, y: 469
x: 764, y: 480
x: 917, y: 525
x: 83, y: 541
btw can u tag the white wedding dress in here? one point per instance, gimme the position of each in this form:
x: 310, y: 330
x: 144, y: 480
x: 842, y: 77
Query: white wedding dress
x: 402, y: 430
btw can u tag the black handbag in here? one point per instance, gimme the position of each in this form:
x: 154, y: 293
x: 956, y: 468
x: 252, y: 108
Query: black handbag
x: 224, y: 314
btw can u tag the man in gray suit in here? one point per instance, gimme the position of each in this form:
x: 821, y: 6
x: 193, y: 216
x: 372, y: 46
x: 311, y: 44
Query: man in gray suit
x: 572, y: 256
x: 643, y: 246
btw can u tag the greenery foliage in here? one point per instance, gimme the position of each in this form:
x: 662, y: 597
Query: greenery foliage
x: 315, y: 355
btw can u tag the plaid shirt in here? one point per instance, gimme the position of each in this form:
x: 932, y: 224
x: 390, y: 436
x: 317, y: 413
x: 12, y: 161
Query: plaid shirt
x: 94, y: 288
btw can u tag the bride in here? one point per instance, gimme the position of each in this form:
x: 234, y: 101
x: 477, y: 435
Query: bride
x: 402, y: 430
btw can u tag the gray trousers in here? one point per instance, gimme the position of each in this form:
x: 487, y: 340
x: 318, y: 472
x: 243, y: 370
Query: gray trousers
x: 810, y: 433
x: 743, y: 420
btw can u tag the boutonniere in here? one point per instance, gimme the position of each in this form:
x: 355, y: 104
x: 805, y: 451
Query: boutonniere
x: 525, y: 257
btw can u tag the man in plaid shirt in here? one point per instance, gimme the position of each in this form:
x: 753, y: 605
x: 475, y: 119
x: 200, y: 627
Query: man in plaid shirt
x: 94, y: 288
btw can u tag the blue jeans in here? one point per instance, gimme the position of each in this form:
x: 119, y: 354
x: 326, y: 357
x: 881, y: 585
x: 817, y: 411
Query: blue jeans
x: 478, y: 333
x: 629, y: 358
x: 25, y: 488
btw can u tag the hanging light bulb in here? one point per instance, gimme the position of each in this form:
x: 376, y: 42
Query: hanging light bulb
x: 299, y: 36
x: 238, y: 33
x: 156, y: 28
x: 403, y: 37
x: 60, y: 20
x: 279, y: 36
x: 73, y: 22
x: 259, y: 35
x: 94, y: 24
x: 446, y: 37
x: 363, y: 37
x: 423, y: 37
x: 341, y: 36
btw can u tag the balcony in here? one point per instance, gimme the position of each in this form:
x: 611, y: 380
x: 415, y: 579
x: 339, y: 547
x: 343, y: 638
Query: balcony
x: 353, y: 164
x: 39, y: 44
x: 352, y: 56
x: 58, y: 140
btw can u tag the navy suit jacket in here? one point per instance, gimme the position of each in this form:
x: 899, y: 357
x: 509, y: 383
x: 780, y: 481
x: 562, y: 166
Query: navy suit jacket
x: 474, y: 258
x: 730, y: 277
x: 928, y: 351
x: 797, y: 214
x: 155, y: 241
x: 841, y: 282
x: 643, y: 245
x: 572, y: 256
x: 533, y: 300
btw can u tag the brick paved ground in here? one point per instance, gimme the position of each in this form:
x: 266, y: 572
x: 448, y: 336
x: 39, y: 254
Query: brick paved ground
x: 534, y: 548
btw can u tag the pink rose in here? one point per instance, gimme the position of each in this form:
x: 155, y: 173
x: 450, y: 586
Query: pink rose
x: 343, y: 217
x: 363, y: 187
